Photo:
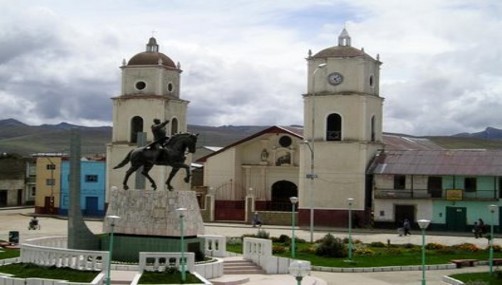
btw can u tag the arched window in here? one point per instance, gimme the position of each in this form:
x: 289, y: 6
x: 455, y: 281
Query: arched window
x: 334, y: 127
x: 281, y: 192
x: 174, y: 126
x: 136, y: 127
x: 373, y: 128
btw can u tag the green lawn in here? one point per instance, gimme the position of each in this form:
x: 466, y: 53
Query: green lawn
x: 495, y: 279
x: 9, y: 253
x: 366, y: 255
x: 25, y: 270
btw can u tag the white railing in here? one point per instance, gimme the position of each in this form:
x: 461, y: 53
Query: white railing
x: 62, y: 257
x: 55, y: 241
x: 159, y: 261
x: 7, y: 280
x: 215, y: 245
x: 259, y: 251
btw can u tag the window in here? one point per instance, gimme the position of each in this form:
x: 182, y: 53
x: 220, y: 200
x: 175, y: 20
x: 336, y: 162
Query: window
x: 285, y: 141
x: 174, y: 126
x: 500, y: 187
x: 136, y: 127
x: 435, y: 186
x: 470, y: 184
x: 399, y: 181
x: 373, y: 128
x: 33, y: 191
x: 91, y: 178
x: 334, y: 128
x: 50, y: 182
x: 51, y: 166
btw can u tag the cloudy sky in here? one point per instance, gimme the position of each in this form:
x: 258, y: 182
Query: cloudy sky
x: 244, y: 61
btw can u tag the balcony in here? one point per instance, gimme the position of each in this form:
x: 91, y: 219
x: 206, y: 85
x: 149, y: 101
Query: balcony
x: 479, y: 195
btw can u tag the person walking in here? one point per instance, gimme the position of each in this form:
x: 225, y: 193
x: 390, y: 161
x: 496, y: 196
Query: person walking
x: 406, y: 227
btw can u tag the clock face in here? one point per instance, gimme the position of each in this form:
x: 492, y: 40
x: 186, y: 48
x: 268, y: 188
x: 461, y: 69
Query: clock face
x: 335, y: 78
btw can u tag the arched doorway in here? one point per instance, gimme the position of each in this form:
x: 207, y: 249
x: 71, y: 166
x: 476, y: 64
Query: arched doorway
x: 281, y: 192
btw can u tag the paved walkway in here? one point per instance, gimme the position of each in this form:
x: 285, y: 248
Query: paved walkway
x: 17, y: 220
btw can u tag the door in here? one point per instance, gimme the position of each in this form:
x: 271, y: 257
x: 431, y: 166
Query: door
x: 456, y: 219
x: 91, y: 206
x: 402, y: 212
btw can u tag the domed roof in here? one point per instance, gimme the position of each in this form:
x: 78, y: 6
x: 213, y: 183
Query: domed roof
x: 151, y: 56
x: 343, y: 49
x: 340, y: 51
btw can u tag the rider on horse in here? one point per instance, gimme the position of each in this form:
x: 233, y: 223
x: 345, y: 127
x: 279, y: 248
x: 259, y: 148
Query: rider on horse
x: 159, y: 134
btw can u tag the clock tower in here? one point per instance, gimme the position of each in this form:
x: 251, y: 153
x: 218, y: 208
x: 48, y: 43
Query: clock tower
x: 343, y: 131
x: 150, y: 90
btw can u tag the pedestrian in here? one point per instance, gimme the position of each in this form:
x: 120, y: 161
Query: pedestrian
x: 482, y: 227
x: 256, y: 220
x: 406, y: 227
x: 477, y: 230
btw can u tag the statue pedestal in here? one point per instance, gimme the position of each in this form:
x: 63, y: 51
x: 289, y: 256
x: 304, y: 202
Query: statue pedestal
x: 153, y: 213
x: 149, y: 223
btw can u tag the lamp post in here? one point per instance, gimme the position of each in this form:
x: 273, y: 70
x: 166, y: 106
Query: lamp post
x: 181, y: 214
x: 112, y: 219
x: 492, y: 209
x: 312, y: 175
x: 423, y: 224
x: 299, y: 269
x: 293, y: 200
x: 350, y: 201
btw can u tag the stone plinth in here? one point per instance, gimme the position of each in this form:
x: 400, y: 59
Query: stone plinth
x: 153, y: 213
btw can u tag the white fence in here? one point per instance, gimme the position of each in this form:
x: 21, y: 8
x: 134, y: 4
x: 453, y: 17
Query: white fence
x: 260, y: 252
x: 215, y: 245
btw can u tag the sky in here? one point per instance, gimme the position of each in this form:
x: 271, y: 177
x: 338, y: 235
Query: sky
x: 243, y: 61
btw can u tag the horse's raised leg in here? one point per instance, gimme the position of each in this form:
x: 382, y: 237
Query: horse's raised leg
x: 146, y: 169
x: 173, y: 172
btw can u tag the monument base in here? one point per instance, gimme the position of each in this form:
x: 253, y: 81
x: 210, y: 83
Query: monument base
x: 126, y: 248
x: 149, y: 222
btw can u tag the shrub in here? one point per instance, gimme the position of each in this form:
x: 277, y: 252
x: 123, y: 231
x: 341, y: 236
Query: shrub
x: 363, y: 251
x: 284, y: 239
x: 331, y: 247
x: 262, y: 234
x: 466, y: 247
x: 234, y: 240
x: 377, y: 244
x: 434, y: 246
x: 445, y: 250
x: 276, y: 249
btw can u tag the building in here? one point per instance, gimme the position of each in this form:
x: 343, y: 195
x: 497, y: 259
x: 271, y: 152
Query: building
x: 92, y: 188
x: 342, y: 159
x: 151, y: 88
x: 12, y: 180
x: 451, y: 187
x: 48, y: 182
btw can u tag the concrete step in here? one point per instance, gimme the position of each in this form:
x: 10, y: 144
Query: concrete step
x: 241, y: 266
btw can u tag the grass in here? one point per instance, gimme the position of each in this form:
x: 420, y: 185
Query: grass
x: 27, y: 270
x: 9, y: 253
x: 480, y: 278
x: 365, y: 255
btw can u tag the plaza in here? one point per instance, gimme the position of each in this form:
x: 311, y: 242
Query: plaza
x: 17, y: 220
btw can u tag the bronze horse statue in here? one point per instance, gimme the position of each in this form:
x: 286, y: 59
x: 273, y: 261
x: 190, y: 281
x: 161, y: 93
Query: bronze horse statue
x: 172, y: 154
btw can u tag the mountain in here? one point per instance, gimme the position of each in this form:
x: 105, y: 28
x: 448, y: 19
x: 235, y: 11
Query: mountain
x: 488, y: 134
x: 17, y: 137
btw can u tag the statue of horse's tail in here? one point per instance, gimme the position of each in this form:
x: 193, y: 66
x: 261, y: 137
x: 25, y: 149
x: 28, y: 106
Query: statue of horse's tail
x: 125, y: 161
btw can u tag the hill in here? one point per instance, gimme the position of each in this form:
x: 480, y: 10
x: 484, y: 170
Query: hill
x: 17, y: 137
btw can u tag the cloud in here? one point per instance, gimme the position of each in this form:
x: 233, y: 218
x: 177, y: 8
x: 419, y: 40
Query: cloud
x: 244, y: 61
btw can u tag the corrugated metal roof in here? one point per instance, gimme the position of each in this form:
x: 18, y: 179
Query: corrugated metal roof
x: 475, y: 162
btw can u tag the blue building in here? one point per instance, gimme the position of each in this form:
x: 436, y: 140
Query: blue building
x: 92, y: 188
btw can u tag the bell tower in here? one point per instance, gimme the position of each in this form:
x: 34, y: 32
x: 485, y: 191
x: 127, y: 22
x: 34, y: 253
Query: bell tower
x: 150, y: 89
x: 342, y: 132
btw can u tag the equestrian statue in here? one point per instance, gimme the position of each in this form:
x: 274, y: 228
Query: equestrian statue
x: 163, y: 151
